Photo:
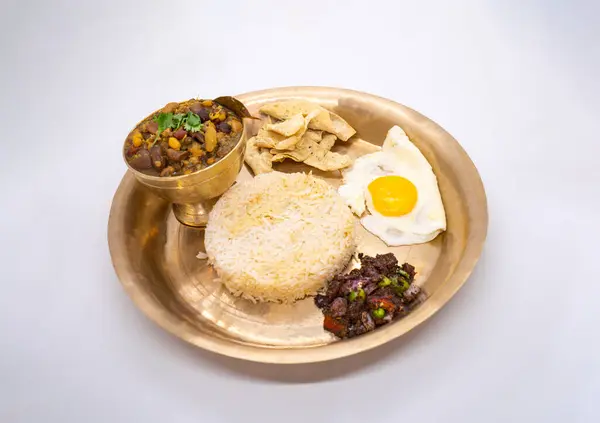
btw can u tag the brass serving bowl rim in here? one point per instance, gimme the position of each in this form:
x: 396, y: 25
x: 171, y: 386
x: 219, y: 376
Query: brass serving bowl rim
x: 178, y: 177
x: 293, y: 355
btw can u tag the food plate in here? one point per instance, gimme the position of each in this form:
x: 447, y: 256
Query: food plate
x: 155, y: 256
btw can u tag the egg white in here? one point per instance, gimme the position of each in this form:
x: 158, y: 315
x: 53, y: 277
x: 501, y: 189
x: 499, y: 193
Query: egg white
x: 398, y: 156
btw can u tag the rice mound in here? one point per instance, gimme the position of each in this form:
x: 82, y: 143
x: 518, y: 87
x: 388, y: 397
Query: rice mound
x: 279, y: 237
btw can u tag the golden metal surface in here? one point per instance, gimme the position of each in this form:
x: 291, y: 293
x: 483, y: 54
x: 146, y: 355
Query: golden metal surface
x: 191, y: 194
x: 155, y: 257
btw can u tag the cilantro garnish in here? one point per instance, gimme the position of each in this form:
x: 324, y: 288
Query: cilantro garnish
x: 164, y: 120
x: 190, y: 121
x: 177, y: 120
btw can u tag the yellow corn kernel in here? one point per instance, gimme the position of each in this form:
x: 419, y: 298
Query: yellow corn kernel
x: 196, y: 151
x: 174, y: 143
x: 137, y: 139
x: 210, y: 160
x: 218, y: 115
x: 207, y: 103
x: 236, y: 125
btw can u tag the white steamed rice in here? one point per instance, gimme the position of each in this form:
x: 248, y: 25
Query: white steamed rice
x: 279, y: 237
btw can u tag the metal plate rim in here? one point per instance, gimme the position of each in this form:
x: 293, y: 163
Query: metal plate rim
x: 345, y: 348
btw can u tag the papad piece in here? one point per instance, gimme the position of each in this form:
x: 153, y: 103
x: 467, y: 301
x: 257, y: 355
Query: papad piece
x: 302, y: 150
x: 327, y: 141
x: 324, y: 120
x: 258, y: 159
x: 268, y: 138
x: 341, y: 128
x: 331, y: 161
x: 287, y: 127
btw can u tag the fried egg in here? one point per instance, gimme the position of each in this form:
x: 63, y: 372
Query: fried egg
x: 398, y: 190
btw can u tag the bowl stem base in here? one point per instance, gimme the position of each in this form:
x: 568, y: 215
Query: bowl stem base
x: 193, y: 215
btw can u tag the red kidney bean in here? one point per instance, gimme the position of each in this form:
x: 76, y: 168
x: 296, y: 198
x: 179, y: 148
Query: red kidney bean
x: 201, y: 111
x: 177, y: 156
x: 180, y: 133
x: 204, y: 114
x: 196, y: 107
x: 158, y: 161
x: 141, y: 161
x: 152, y: 127
x: 224, y: 127
x: 199, y: 136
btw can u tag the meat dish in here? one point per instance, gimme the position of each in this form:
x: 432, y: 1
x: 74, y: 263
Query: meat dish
x: 370, y: 296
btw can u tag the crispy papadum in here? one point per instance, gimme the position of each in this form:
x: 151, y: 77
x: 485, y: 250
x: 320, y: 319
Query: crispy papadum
x: 324, y: 120
x: 258, y: 159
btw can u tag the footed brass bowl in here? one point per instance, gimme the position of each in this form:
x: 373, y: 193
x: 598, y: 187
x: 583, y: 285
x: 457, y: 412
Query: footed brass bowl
x: 193, y: 195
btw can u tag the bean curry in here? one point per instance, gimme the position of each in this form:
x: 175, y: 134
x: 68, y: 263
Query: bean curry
x: 183, y: 138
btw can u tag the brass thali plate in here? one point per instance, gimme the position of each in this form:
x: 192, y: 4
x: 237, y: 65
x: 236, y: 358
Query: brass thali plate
x: 155, y: 256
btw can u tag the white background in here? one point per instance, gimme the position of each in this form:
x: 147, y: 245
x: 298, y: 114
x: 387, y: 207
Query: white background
x: 516, y: 82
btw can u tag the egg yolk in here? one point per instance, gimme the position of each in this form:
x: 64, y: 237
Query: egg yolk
x: 393, y: 195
